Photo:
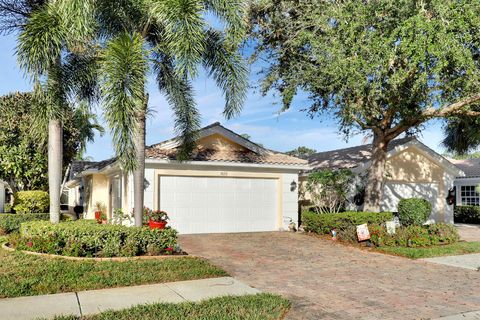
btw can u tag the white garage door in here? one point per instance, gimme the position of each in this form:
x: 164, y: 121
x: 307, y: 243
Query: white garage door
x: 393, y: 192
x: 213, y: 205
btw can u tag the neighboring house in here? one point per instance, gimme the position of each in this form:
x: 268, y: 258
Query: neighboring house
x: 467, y: 186
x: 412, y: 170
x: 229, y: 185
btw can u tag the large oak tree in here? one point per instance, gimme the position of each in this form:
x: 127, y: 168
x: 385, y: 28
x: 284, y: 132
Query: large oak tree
x: 381, y: 66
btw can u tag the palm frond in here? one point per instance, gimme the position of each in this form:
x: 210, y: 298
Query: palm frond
x: 41, y: 41
x: 183, y: 24
x: 124, y: 69
x: 179, y: 93
x: 233, y: 14
x: 229, y: 70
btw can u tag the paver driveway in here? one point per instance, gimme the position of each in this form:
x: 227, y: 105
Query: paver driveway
x: 326, y: 280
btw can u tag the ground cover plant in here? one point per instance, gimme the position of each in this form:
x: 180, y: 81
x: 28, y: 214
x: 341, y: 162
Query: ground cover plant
x: 27, y: 275
x: 434, y: 251
x: 263, y: 306
x: 85, y: 238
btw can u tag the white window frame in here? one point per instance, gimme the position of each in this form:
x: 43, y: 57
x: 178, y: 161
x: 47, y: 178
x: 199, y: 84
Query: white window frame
x: 469, y: 195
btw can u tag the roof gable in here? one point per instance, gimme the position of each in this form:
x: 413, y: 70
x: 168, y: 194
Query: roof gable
x: 359, y: 157
x: 217, y: 143
x: 215, y: 129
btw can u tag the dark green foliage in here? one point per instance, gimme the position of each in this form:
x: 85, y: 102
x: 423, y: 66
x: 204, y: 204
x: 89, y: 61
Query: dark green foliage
x: 34, y: 201
x: 11, y: 222
x: 324, y: 223
x: 23, y: 139
x: 262, y: 306
x: 88, y: 238
x: 414, y: 235
x: 467, y: 214
x: 414, y: 211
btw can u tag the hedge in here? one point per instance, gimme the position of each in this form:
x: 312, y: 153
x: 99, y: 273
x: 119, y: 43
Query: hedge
x: 414, y: 236
x: 84, y: 238
x: 467, y: 214
x: 414, y: 211
x: 11, y: 222
x: 324, y: 223
x: 31, y: 202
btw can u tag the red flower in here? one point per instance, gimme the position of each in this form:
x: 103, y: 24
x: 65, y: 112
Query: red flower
x: 29, y: 244
x: 169, y: 249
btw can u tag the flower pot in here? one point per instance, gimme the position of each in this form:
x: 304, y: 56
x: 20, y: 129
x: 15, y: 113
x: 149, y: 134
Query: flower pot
x: 157, y: 225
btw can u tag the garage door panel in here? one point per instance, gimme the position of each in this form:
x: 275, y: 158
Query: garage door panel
x: 213, y: 204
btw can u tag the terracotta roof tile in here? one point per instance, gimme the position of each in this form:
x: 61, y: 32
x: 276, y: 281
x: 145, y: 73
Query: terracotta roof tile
x: 270, y: 157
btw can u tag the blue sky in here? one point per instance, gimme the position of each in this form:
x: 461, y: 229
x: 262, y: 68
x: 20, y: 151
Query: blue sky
x: 259, y: 119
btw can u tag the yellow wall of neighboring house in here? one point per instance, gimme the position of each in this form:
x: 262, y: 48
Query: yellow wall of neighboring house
x: 411, y: 165
x: 408, y: 166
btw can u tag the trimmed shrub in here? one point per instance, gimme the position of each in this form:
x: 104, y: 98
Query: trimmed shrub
x: 11, y: 222
x: 414, y: 236
x: 31, y: 202
x: 89, y: 239
x: 324, y: 223
x: 467, y: 214
x: 414, y: 211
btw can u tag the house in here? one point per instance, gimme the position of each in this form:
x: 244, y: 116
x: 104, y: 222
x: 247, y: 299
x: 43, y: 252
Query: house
x: 230, y: 184
x: 412, y: 170
x: 466, y: 186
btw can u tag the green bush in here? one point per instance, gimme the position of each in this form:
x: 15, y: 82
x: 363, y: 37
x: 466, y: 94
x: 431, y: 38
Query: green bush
x: 31, y: 202
x: 11, y: 222
x: 324, y: 223
x: 467, y: 214
x: 414, y: 211
x: 90, y: 239
x: 7, y: 208
x: 414, y: 236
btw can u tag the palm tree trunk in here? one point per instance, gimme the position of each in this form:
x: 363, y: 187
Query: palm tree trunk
x: 139, y: 172
x: 374, y: 188
x: 55, y: 158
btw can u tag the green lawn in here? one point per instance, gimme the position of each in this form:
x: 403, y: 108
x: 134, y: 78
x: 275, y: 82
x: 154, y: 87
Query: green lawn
x: 260, y: 306
x: 436, y: 251
x: 26, y: 275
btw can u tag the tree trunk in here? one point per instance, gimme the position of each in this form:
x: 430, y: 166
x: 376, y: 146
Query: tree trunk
x: 55, y: 158
x: 374, y: 188
x: 139, y: 172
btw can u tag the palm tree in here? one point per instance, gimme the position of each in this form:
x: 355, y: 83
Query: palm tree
x: 52, y: 40
x: 173, y: 39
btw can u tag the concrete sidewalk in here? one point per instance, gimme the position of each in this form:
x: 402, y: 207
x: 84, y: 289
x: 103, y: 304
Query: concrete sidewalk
x: 468, y: 261
x: 96, y: 301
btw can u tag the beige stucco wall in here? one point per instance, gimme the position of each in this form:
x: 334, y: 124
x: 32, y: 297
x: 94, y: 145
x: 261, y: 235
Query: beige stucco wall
x: 218, y: 142
x: 98, y: 185
x: 411, y: 165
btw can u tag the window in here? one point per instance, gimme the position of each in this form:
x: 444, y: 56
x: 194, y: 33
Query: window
x: 470, y: 196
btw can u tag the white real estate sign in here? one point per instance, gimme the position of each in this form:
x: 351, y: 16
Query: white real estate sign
x: 217, y: 204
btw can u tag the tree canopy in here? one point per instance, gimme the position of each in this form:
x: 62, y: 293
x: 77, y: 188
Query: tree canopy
x: 301, y: 152
x: 23, y: 160
x: 385, y: 66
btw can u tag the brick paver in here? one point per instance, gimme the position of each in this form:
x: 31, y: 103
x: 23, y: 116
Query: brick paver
x: 326, y: 280
x: 469, y: 232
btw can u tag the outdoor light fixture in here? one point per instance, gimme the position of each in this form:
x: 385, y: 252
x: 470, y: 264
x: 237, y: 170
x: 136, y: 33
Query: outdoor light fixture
x: 293, y: 186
